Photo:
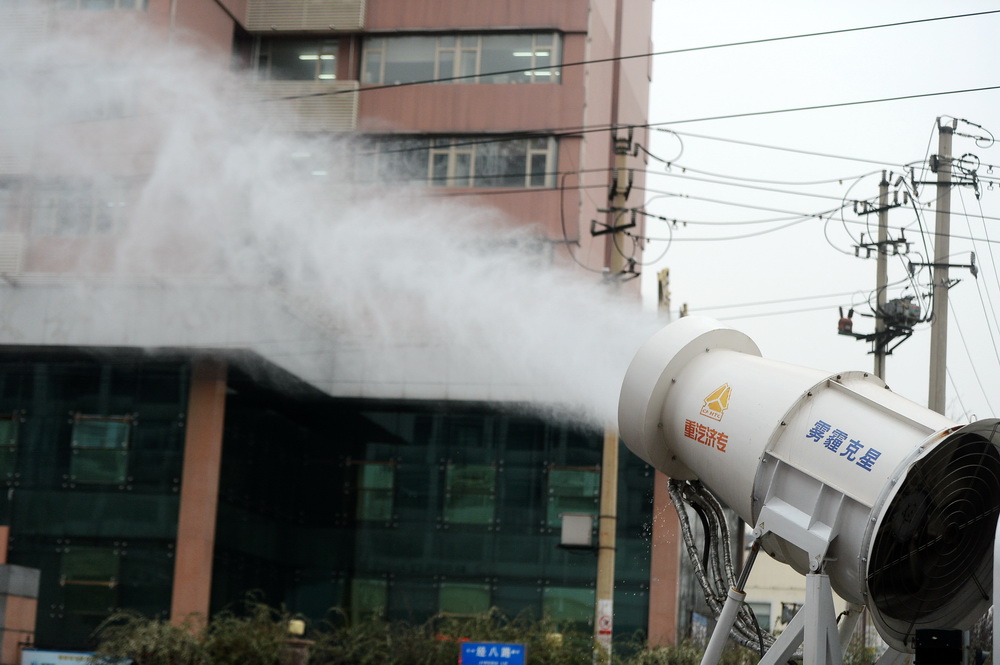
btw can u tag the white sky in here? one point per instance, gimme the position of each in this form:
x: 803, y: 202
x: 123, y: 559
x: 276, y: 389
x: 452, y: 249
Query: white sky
x: 801, y: 264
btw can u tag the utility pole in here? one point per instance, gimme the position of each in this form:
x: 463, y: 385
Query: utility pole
x: 881, y: 274
x: 663, y: 292
x: 608, y: 517
x: 942, y: 244
x: 893, y: 319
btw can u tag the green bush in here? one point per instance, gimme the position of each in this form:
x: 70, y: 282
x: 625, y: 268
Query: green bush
x: 149, y: 641
x: 255, y: 634
x: 254, y: 638
x: 437, y: 642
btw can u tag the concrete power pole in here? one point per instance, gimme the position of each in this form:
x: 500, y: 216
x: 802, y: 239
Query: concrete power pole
x: 881, y: 275
x: 608, y: 518
x: 942, y: 245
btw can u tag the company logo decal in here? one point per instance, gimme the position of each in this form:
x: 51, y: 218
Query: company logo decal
x: 706, y: 435
x: 717, y: 402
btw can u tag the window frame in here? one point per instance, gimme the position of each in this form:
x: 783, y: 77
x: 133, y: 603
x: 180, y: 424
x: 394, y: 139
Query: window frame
x: 327, y: 49
x: 763, y: 611
x: 9, y: 444
x: 444, y: 166
x: 451, y: 513
x: 362, y: 491
x: 447, y: 586
x: 361, y: 584
x: 78, y: 451
x: 88, y: 584
x: 559, y: 598
x: 553, y: 509
x: 449, y: 58
x: 78, y: 208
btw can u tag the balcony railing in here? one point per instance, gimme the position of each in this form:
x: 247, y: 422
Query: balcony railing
x: 305, y: 15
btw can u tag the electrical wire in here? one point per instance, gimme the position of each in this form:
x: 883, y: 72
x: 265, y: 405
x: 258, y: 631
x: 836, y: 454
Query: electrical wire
x: 680, y: 152
x: 690, y: 222
x: 816, y: 107
x: 775, y: 147
x: 958, y: 395
x: 736, y: 237
x: 750, y: 206
x: 692, y: 49
x: 776, y: 302
x: 769, y: 182
x: 972, y: 362
x: 829, y: 240
x: 590, y: 129
x: 744, y: 185
x: 979, y: 289
x: 562, y: 222
x: 986, y: 231
x: 779, y: 313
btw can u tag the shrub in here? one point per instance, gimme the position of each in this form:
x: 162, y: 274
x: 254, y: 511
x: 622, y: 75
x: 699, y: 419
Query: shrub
x: 149, y: 641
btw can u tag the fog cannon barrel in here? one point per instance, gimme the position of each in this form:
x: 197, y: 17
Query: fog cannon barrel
x: 896, y: 503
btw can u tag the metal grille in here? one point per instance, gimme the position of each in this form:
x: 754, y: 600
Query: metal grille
x: 306, y: 14
x: 932, y: 559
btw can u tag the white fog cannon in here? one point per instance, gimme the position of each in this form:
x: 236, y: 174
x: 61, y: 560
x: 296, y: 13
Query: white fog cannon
x: 839, y: 476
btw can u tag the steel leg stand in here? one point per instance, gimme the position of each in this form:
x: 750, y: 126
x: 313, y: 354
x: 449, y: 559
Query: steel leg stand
x: 814, y: 626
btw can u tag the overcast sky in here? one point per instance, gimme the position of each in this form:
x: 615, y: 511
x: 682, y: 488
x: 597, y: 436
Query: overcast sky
x: 802, y: 268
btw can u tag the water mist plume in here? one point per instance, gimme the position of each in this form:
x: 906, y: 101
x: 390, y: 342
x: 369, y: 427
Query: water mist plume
x: 229, y: 235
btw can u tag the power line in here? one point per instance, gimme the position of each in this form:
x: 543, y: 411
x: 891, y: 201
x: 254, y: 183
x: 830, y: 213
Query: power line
x: 744, y: 205
x: 561, y: 132
x: 691, y: 49
x: 781, y: 313
x: 778, y: 301
x: 766, y: 181
x: 972, y: 363
x: 743, y: 185
x: 775, y: 147
x: 797, y: 217
x: 719, y: 239
x: 817, y: 107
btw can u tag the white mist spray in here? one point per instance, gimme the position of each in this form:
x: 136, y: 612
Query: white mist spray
x: 228, y: 238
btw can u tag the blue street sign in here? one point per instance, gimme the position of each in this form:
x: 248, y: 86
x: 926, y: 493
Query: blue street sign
x: 491, y: 653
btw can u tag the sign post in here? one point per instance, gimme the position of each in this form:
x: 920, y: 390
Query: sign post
x: 491, y: 653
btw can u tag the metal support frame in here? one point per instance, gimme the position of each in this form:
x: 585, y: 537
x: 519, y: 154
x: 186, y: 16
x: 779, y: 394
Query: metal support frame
x: 814, y: 627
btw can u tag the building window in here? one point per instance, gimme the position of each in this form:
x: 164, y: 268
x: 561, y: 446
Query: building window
x: 297, y: 59
x: 375, y: 485
x: 470, y: 493
x: 463, y: 598
x: 763, y: 613
x: 462, y: 161
x: 568, y: 604
x: 471, y: 58
x: 100, y: 449
x: 368, y: 598
x: 102, y: 4
x: 788, y: 612
x: 7, y: 216
x: 572, y: 490
x: 8, y: 444
x: 77, y: 208
x: 89, y: 577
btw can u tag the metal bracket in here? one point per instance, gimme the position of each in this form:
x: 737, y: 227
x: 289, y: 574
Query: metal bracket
x: 971, y: 265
